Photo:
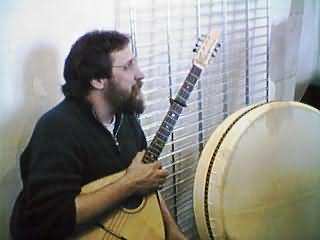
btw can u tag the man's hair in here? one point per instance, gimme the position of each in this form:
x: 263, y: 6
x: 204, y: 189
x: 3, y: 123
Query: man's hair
x: 90, y: 58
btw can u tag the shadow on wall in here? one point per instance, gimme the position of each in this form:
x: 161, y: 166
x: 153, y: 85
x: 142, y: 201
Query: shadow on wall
x: 285, y: 40
x: 312, y: 93
x: 40, y: 87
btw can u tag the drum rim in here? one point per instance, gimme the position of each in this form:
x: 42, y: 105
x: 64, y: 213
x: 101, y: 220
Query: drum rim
x: 218, y: 135
x: 211, y: 166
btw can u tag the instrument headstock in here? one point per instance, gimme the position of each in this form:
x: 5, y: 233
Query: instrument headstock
x: 206, y: 47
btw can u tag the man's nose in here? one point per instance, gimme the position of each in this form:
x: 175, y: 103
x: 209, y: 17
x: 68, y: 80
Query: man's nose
x: 139, y: 75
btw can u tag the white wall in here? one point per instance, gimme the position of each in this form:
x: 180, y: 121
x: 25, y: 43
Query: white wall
x: 34, y: 40
x: 294, y: 52
x: 309, y: 47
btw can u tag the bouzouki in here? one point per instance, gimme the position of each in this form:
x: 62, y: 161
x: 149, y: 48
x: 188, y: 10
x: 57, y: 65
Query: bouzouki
x: 140, y: 217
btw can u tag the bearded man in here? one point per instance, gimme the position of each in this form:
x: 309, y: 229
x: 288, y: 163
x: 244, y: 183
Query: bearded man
x: 91, y: 134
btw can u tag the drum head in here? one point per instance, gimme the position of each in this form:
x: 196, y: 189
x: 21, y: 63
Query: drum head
x: 258, y: 176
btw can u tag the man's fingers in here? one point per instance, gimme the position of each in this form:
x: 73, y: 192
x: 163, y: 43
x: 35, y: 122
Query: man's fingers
x: 162, y: 181
x: 156, y: 165
x: 163, y: 173
x: 139, y: 156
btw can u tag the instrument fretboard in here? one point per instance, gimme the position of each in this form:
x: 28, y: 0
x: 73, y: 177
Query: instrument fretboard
x: 167, y: 125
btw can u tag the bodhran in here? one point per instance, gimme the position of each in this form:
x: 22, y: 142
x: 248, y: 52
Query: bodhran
x: 258, y: 176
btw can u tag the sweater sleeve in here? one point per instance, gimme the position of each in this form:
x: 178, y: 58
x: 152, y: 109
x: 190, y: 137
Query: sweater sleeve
x: 52, y: 166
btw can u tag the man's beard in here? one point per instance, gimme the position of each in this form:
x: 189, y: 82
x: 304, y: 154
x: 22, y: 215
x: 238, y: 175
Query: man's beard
x: 123, y: 101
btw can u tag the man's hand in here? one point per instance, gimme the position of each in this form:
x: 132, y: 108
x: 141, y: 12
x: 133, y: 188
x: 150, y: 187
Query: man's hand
x: 145, y: 177
x: 139, y: 178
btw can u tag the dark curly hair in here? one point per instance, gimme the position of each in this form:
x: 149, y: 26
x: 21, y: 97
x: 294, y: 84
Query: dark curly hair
x: 90, y: 58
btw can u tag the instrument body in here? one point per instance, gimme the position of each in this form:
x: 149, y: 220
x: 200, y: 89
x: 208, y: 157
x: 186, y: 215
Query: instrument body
x: 144, y: 221
x: 259, y: 174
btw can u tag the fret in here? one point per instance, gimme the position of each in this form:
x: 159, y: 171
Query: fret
x: 173, y: 120
x: 181, y: 100
x: 150, y: 157
x: 156, y: 146
x: 196, y: 70
x: 184, y: 93
x: 192, y: 79
x: 152, y: 152
x: 169, y: 120
x: 173, y: 115
x: 162, y: 137
x: 156, y: 149
x: 164, y: 131
x: 166, y: 126
x: 187, y: 86
x: 158, y: 142
x: 176, y: 108
x: 189, y: 83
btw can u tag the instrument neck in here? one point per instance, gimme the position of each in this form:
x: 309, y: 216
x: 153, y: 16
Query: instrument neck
x: 176, y: 106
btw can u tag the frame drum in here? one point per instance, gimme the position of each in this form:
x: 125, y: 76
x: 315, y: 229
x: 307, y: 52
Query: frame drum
x: 258, y: 176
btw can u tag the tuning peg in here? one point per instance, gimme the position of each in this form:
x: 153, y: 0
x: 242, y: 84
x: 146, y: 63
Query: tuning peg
x: 214, y: 53
x: 195, y: 50
x: 218, y: 45
x: 200, y: 39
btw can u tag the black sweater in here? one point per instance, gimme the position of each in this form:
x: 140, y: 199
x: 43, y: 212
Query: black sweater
x: 68, y: 149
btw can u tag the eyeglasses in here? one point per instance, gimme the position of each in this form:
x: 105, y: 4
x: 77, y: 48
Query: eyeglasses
x: 131, y: 65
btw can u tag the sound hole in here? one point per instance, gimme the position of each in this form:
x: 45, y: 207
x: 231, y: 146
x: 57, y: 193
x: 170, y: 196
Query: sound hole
x: 133, y: 202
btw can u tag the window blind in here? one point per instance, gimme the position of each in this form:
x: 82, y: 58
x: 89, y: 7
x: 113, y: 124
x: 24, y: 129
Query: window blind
x: 163, y: 36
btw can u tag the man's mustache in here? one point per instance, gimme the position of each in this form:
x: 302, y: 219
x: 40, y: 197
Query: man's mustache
x: 139, y: 84
x: 137, y: 87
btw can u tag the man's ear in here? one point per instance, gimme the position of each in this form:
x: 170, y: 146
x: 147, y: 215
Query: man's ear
x: 98, y: 84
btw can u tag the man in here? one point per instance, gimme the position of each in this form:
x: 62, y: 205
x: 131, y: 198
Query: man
x: 92, y: 133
